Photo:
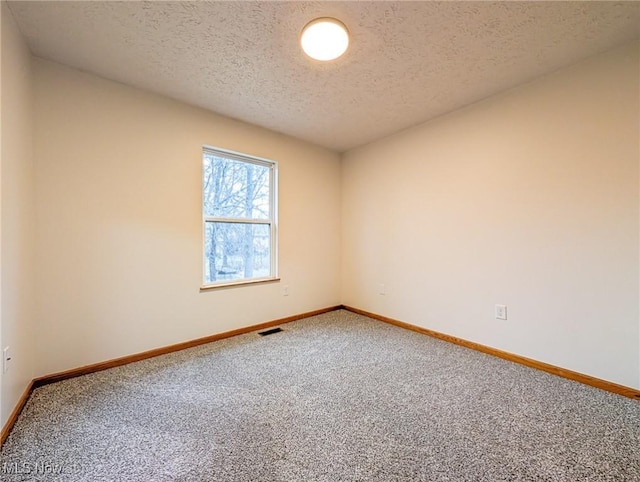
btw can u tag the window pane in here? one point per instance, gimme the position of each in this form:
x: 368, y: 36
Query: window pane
x: 235, y: 189
x: 236, y: 251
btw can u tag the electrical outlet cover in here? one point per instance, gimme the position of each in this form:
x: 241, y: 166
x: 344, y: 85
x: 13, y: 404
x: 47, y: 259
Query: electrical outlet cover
x: 6, y: 358
x: 501, y: 312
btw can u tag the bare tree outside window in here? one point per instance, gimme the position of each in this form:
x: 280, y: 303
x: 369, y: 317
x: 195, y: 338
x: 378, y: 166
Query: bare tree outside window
x: 238, y: 214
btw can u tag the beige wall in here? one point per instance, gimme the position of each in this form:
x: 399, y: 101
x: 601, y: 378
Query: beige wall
x: 17, y: 214
x: 528, y: 199
x: 119, y: 221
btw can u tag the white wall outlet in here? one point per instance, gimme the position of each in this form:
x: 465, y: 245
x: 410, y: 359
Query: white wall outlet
x: 285, y: 290
x: 382, y: 289
x: 501, y: 312
x: 6, y: 358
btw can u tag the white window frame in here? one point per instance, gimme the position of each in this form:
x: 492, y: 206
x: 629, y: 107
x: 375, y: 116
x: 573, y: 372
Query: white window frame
x: 272, y: 221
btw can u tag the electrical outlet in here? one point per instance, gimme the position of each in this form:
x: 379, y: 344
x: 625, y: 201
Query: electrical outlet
x: 6, y: 358
x: 501, y: 312
x: 382, y: 289
x: 285, y: 290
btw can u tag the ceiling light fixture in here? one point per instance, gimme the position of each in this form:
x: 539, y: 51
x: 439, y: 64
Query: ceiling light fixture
x: 324, y: 39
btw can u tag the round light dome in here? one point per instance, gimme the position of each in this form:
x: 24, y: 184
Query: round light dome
x: 324, y: 39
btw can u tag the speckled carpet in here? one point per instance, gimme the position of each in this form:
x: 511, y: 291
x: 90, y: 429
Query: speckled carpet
x: 336, y: 397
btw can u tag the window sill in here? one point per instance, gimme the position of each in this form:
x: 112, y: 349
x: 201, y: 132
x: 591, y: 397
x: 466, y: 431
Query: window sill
x: 234, y: 284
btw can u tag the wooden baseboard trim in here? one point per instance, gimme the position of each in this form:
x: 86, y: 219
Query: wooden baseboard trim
x: 22, y: 401
x: 545, y: 367
x: 84, y: 370
x: 116, y: 362
x: 96, y: 367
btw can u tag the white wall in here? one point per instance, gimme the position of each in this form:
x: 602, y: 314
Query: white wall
x: 118, y: 183
x: 16, y: 214
x: 528, y: 199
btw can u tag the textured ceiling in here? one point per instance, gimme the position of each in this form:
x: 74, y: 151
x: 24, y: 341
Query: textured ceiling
x: 408, y: 61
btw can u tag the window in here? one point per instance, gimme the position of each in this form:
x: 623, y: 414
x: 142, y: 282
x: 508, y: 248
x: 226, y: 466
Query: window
x: 239, y: 218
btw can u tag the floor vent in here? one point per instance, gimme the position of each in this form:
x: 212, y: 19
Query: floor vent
x: 270, y: 332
